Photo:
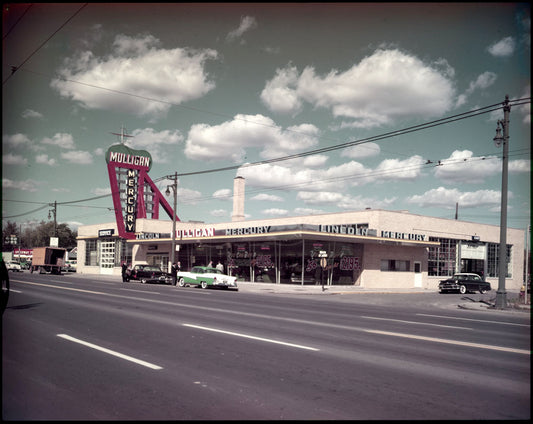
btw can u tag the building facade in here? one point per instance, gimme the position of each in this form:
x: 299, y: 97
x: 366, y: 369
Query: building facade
x: 370, y: 248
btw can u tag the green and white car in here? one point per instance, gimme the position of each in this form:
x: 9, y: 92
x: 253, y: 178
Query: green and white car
x: 206, y: 277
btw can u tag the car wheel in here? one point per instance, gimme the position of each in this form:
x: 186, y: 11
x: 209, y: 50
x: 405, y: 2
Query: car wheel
x: 204, y: 284
x: 462, y: 289
x: 482, y: 291
x: 442, y: 291
x: 181, y: 282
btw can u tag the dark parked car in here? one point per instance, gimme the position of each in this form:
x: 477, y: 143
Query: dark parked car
x: 150, y: 274
x: 463, y: 283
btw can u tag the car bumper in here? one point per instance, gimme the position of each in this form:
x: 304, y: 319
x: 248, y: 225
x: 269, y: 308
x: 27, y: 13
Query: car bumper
x: 228, y: 284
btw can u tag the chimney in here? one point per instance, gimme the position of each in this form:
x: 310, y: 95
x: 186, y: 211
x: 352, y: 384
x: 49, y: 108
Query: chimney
x: 238, y: 199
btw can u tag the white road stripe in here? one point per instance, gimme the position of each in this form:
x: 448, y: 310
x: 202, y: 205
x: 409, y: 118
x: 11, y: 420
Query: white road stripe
x: 455, y: 342
x: 140, y: 291
x: 416, y: 322
x: 111, y: 352
x: 250, y: 337
x: 477, y: 320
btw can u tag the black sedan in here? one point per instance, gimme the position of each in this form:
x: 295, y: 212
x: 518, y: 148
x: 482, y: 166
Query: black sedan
x: 463, y: 283
x: 150, y: 274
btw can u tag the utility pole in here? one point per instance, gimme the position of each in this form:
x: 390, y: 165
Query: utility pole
x: 501, y: 294
x: 174, y: 186
x: 54, y: 211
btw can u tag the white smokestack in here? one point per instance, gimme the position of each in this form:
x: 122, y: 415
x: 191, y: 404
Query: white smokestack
x: 238, y: 199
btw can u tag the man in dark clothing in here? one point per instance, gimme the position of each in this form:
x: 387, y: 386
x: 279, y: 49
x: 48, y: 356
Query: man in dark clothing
x: 174, y: 271
x: 125, y: 278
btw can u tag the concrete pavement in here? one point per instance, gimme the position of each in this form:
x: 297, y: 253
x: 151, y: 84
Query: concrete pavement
x: 472, y: 302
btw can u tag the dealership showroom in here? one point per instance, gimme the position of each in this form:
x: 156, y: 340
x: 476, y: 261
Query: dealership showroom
x: 369, y: 248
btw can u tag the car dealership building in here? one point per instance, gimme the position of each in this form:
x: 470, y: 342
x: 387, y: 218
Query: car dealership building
x: 368, y: 248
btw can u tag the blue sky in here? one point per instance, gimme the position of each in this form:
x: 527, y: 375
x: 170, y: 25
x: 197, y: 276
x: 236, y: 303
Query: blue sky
x: 207, y: 86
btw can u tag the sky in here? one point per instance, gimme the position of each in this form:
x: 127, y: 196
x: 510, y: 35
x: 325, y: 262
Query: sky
x: 207, y: 86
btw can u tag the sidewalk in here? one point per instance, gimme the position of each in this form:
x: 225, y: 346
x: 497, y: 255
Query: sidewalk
x: 247, y: 286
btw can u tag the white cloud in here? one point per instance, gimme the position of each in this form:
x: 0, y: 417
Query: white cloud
x: 223, y: 194
x: 188, y: 196
x: 315, y: 161
x: 28, y: 185
x: 219, y: 213
x: 361, y: 151
x: 44, y: 159
x: 308, y: 211
x: 247, y: 23
x: 138, y: 67
x: 62, y: 140
x: 101, y: 191
x: 520, y: 165
x: 447, y: 198
x: 267, y: 198
x: 482, y: 82
x: 229, y: 140
x: 157, y: 143
x: 396, y: 169
x: 79, y: 157
x: 502, y: 48
x: 276, y: 212
x: 11, y: 159
x: 294, y: 175
x: 370, y: 93
x: 29, y: 113
x: 280, y: 94
x: 344, y: 201
x: 16, y: 141
x: 463, y: 167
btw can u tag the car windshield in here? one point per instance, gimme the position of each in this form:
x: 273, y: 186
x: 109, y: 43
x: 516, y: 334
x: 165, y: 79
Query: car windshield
x: 151, y: 268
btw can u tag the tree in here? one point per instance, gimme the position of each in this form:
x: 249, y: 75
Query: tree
x: 39, y: 236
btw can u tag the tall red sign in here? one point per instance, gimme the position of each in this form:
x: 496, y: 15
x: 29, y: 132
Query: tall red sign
x: 134, y: 193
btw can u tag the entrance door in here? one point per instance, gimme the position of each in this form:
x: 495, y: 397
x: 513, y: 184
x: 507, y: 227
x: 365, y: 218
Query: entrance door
x: 418, y: 274
x: 107, y: 256
x: 158, y: 260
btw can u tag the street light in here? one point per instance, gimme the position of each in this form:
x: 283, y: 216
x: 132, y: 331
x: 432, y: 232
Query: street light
x: 501, y: 294
x: 174, y: 186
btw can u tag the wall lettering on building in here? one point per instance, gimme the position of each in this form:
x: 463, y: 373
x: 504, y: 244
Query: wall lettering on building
x: 248, y: 230
x: 106, y: 233
x: 350, y: 229
x: 131, y: 201
x: 403, y: 236
x: 195, y: 232
x: 147, y: 236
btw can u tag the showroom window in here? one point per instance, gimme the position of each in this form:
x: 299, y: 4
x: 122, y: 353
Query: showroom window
x: 91, y: 252
x: 394, y: 265
x: 492, y: 260
x: 441, y: 259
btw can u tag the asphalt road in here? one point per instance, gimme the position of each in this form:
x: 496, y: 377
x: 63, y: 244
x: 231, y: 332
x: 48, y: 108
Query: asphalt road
x: 76, y: 348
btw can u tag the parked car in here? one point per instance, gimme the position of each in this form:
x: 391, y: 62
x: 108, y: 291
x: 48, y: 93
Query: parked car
x: 206, y: 277
x: 13, y: 266
x: 70, y: 266
x: 464, y: 282
x: 150, y: 274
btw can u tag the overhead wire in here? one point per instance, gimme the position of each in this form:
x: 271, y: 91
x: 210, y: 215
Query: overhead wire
x: 18, y: 20
x: 16, y: 68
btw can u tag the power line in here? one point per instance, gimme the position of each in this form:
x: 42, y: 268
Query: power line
x: 18, y: 20
x: 16, y: 68
x: 391, y: 134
